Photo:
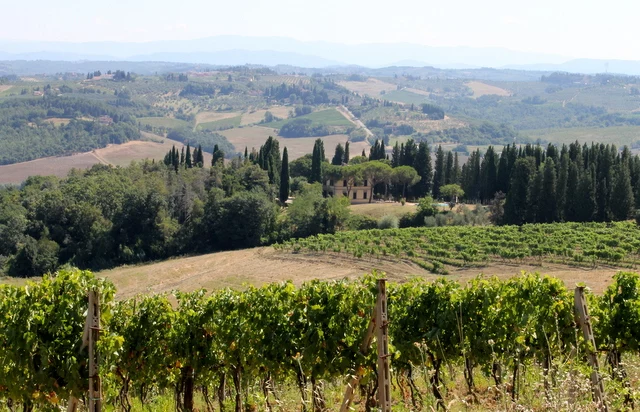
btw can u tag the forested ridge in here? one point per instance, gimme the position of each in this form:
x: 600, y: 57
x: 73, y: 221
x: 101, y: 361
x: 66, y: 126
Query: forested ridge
x: 26, y: 134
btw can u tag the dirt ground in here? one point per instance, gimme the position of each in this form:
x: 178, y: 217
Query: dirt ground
x: 264, y: 265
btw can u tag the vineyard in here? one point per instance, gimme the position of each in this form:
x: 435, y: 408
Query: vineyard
x: 578, y: 244
x: 513, y: 342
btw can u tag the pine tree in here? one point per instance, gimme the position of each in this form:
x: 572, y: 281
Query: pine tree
x: 338, y: 156
x: 622, y: 202
x: 345, y: 160
x: 284, y: 177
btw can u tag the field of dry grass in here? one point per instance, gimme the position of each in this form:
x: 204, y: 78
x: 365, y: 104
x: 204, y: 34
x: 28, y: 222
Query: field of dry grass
x: 255, y: 136
x: 481, y: 89
x: 206, y: 117
x: 264, y: 265
x: 118, y: 155
x: 371, y: 87
x: 258, y: 115
x: 57, y: 121
x: 378, y: 210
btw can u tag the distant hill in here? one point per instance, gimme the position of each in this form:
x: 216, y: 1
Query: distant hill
x: 233, y: 50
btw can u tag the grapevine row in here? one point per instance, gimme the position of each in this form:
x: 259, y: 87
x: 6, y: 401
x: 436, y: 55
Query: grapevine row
x: 580, y: 244
x: 303, y: 335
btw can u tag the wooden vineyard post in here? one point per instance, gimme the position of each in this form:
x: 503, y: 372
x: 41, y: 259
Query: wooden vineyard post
x: 382, y: 326
x: 584, y: 321
x: 90, y: 337
x: 379, y: 326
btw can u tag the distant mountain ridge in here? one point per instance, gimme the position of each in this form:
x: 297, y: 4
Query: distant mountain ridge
x: 270, y: 51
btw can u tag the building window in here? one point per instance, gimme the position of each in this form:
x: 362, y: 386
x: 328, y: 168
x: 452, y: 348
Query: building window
x: 365, y: 195
x: 355, y: 195
x: 365, y: 183
x: 344, y: 183
x: 330, y: 182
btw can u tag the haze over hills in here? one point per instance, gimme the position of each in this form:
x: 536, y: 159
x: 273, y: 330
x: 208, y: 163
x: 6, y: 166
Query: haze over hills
x: 235, y: 50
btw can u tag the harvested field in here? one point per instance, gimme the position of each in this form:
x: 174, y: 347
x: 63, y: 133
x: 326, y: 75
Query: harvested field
x: 372, y: 87
x: 57, y: 121
x: 207, y: 117
x: 263, y: 265
x: 257, y: 116
x: 255, y: 136
x: 481, y: 89
x: 118, y: 155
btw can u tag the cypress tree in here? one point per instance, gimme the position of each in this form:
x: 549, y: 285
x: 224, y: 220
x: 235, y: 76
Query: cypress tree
x: 533, y: 209
x: 338, y: 156
x: 182, y: 157
x: 571, y: 199
x: 586, y: 205
x: 448, y: 168
x: 316, y: 162
x: 187, y: 162
x: 438, y: 175
x: 622, y: 201
x: 345, y: 160
x: 395, y: 155
x: 561, y: 189
x: 363, y: 153
x: 515, y: 205
x: 422, y: 164
x: 246, y: 153
x: 548, y: 198
x: 284, y: 177
x: 455, y: 176
x: 489, y: 175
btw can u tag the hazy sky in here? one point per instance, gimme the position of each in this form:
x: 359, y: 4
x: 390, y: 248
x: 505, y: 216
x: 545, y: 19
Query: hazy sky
x: 574, y: 28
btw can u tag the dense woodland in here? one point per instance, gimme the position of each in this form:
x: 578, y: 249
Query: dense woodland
x: 26, y: 134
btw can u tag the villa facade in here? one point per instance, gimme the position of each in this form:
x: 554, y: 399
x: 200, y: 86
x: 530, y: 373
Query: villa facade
x: 356, y: 193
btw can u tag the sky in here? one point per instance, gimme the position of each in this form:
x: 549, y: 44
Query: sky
x: 573, y: 28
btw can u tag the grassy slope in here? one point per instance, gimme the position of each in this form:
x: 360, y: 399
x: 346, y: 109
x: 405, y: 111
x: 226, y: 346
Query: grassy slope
x: 619, y: 135
x: 163, y: 122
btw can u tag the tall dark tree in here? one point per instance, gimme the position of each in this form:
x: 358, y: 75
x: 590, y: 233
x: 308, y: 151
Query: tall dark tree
x: 395, y: 155
x: 218, y: 156
x: 363, y: 153
x: 622, y: 202
x: 284, y: 177
x: 316, y: 161
x: 571, y: 199
x: 338, y: 156
x: 422, y: 164
x: 586, y: 205
x: 515, y: 206
x: 489, y: 175
x: 187, y: 159
x: 438, y: 175
x: 455, y: 175
x: 561, y: 189
x: 345, y: 159
x: 548, y: 201
x: 448, y: 168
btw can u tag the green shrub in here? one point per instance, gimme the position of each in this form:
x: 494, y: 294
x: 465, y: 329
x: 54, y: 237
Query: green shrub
x: 388, y: 222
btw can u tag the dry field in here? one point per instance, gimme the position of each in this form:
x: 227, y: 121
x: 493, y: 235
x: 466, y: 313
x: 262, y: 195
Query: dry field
x: 254, y: 137
x: 57, y: 166
x: 206, y: 117
x: 480, y: 89
x: 258, y: 115
x: 426, y: 126
x: 371, y: 87
x: 377, y: 210
x: 117, y: 155
x: 264, y: 265
x: 57, y: 121
x: 417, y: 91
x: 5, y: 87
